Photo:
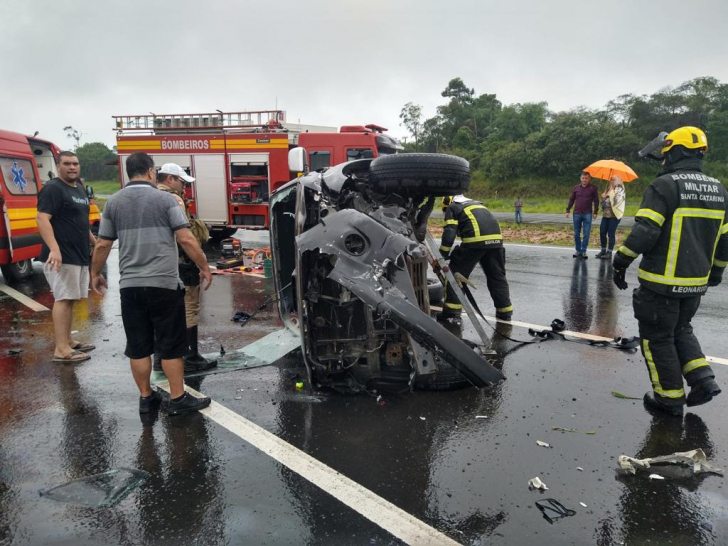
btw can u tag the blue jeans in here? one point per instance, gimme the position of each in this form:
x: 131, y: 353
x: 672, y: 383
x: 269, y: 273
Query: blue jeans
x: 519, y: 217
x: 608, y: 228
x: 582, y: 222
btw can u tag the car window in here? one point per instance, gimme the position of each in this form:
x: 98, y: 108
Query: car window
x: 319, y: 160
x: 359, y: 153
x: 19, y: 176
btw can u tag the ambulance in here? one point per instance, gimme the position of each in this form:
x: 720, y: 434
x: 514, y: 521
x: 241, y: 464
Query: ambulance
x: 26, y: 163
x: 238, y: 159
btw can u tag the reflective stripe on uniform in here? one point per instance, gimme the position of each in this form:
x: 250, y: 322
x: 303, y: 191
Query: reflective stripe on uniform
x: 453, y: 305
x: 676, y: 234
x: 505, y: 309
x: 451, y: 222
x: 445, y: 248
x: 724, y: 229
x: 677, y: 281
x: 654, y: 376
x: 720, y: 263
x: 693, y: 364
x: 653, y: 215
x: 627, y: 252
x: 496, y: 237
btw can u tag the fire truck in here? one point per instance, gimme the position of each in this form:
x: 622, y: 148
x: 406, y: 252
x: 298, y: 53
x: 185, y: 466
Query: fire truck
x: 239, y: 158
x: 26, y: 163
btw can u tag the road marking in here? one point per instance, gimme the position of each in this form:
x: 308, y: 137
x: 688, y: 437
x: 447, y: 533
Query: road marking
x: 22, y: 298
x: 581, y: 335
x: 386, y: 515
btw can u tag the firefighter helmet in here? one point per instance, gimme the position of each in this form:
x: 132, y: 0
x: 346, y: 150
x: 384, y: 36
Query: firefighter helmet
x: 691, y: 138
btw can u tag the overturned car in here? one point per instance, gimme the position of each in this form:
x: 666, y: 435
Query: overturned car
x: 351, y: 275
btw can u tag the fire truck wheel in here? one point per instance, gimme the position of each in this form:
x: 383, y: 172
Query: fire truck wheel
x: 17, y: 271
x: 420, y: 174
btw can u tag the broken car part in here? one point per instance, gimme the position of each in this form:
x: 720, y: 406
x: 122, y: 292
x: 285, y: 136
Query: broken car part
x: 694, y: 462
x: 553, y: 510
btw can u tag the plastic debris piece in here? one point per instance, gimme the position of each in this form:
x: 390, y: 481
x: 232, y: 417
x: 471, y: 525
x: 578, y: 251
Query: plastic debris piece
x: 624, y: 396
x: 99, y: 490
x: 564, y: 429
x: 542, y: 444
x: 481, y: 416
x: 536, y: 483
x: 694, y: 461
x: 423, y: 418
x: 13, y: 352
x: 580, y: 469
x: 584, y: 505
x: 553, y: 510
x: 238, y: 398
x: 656, y: 477
x: 299, y: 385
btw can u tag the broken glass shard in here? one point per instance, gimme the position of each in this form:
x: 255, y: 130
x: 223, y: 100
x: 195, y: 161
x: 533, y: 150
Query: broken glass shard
x: 100, y: 490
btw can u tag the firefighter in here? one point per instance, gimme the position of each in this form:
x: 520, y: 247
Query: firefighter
x: 171, y: 178
x: 481, y: 242
x: 682, y: 234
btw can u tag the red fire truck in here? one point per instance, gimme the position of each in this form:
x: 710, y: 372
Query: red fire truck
x: 240, y: 158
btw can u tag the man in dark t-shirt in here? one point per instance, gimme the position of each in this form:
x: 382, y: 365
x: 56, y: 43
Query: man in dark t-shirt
x: 63, y: 224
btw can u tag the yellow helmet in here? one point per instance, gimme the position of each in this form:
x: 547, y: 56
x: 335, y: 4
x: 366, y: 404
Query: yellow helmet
x: 446, y: 201
x: 690, y: 137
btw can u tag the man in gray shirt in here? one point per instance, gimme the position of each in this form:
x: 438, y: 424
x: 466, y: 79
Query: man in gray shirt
x: 148, y: 225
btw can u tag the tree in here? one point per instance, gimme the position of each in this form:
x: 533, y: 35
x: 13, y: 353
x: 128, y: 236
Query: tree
x: 411, y: 116
x: 74, y: 134
x: 95, y: 158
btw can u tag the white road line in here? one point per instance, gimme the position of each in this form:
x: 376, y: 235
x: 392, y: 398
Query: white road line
x: 590, y: 337
x: 377, y: 510
x: 22, y: 298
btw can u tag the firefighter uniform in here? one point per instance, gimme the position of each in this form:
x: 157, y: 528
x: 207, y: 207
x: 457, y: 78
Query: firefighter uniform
x: 481, y: 242
x: 682, y: 234
x: 189, y: 274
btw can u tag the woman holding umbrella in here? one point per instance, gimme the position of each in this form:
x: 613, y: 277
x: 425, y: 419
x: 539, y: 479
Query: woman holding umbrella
x: 613, y: 201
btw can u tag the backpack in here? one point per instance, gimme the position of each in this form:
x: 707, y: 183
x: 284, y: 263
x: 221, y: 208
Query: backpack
x: 199, y: 230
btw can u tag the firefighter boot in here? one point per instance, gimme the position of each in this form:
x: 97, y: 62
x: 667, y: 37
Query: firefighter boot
x: 194, y: 361
x: 703, y: 392
x: 653, y: 404
x: 451, y: 318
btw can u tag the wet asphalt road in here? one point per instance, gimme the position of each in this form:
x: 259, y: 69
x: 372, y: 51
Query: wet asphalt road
x: 425, y: 452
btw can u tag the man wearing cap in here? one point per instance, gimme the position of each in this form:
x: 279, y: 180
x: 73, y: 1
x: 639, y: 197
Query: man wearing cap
x: 171, y: 178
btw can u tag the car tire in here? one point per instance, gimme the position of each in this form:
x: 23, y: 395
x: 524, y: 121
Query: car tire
x: 435, y: 289
x: 420, y: 174
x: 17, y: 271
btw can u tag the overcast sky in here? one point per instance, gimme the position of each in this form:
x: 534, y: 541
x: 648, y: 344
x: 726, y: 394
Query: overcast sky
x: 326, y: 62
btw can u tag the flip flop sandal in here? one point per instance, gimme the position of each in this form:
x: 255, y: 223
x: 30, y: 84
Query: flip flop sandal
x: 76, y: 356
x: 84, y: 347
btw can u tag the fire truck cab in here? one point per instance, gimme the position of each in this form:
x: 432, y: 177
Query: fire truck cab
x: 26, y: 163
x: 240, y: 158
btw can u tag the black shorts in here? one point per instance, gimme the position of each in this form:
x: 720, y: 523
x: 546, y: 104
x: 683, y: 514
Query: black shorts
x: 154, y: 322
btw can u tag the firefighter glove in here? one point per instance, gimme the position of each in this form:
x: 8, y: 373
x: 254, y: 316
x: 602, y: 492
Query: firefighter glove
x: 618, y: 277
x: 621, y: 261
x: 716, y: 276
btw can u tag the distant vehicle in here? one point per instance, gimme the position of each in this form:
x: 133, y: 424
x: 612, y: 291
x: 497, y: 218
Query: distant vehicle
x: 26, y: 163
x: 351, y: 277
x: 240, y: 158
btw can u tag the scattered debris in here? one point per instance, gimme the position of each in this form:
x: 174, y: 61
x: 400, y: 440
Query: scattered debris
x: 564, y: 429
x: 481, y: 416
x: 624, y: 396
x: 656, y: 477
x: 422, y: 418
x: 584, y: 505
x: 299, y: 385
x: 238, y: 398
x: 553, y: 510
x: 13, y: 352
x: 100, y: 490
x: 580, y: 469
x: 542, y: 444
x: 694, y: 461
x: 536, y: 483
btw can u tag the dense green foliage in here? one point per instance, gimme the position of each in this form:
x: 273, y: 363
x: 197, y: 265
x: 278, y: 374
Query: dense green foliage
x: 95, y: 158
x: 514, y: 145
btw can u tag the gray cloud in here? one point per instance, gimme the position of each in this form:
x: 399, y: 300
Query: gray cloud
x: 330, y: 63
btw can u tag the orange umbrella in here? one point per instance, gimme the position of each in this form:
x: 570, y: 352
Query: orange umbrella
x: 605, y: 168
